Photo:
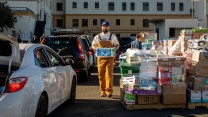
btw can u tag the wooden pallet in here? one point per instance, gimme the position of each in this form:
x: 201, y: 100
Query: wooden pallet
x: 151, y: 106
x: 194, y: 105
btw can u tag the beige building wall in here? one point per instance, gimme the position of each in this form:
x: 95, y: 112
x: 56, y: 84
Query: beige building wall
x: 124, y: 29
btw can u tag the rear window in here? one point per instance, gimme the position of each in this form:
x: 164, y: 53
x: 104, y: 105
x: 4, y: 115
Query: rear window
x: 124, y: 40
x: 6, y: 48
x: 58, y: 43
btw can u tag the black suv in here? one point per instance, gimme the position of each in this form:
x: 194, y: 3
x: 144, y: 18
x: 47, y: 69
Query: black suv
x: 71, y: 46
x: 125, y: 43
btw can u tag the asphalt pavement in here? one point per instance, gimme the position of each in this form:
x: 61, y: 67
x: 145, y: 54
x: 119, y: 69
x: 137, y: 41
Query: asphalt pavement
x: 90, y: 104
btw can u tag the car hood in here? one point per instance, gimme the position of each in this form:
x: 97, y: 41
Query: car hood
x: 9, y: 52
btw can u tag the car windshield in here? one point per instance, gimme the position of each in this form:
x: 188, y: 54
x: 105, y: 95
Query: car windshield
x: 58, y: 43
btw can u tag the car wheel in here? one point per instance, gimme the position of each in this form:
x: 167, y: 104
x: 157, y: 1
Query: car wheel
x: 73, y: 92
x: 42, y: 107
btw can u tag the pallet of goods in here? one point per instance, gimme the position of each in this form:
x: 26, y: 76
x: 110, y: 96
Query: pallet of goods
x: 157, y: 84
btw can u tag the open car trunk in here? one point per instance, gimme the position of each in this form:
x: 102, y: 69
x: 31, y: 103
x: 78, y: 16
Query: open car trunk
x: 9, y: 59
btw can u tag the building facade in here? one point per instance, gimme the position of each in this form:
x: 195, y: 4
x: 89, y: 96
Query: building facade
x: 34, y: 18
x: 126, y: 17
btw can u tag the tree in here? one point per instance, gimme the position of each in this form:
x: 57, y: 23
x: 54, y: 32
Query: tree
x: 7, y: 18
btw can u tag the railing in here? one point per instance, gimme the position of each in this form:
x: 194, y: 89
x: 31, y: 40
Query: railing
x: 21, y: 9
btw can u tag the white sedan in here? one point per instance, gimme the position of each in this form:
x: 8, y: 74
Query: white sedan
x: 34, y: 80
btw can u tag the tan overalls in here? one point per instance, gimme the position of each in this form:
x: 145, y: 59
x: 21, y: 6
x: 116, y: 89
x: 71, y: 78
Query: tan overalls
x: 105, y: 68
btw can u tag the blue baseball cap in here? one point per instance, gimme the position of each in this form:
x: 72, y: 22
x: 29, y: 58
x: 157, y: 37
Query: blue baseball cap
x: 105, y: 23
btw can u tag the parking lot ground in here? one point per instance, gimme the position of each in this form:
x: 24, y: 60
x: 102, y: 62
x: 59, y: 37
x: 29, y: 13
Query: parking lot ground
x: 90, y: 104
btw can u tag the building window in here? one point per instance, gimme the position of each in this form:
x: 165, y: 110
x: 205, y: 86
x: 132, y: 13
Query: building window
x: 145, y: 6
x: 172, y: 6
x: 118, y: 22
x: 132, y: 6
x: 132, y: 22
x: 74, y: 4
x: 180, y: 6
x: 75, y: 22
x: 145, y: 22
x: 94, y: 22
x: 59, y: 22
x: 96, y: 5
x: 118, y: 35
x: 159, y: 6
x: 85, y: 4
x: 84, y: 22
x: 123, y: 6
x: 101, y: 21
x: 111, y: 6
x: 59, y: 6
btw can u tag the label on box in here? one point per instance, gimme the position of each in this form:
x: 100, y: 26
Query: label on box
x: 204, y: 96
x: 165, y: 81
x: 195, y: 96
x: 129, y: 98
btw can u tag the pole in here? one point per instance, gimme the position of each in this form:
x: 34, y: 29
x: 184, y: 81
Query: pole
x: 192, y: 14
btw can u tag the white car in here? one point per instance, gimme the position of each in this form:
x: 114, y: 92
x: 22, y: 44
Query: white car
x: 34, y: 80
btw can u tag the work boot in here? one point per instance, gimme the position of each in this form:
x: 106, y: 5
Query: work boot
x: 109, y: 95
x: 102, y: 95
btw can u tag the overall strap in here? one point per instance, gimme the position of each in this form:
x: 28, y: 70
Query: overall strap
x: 99, y: 37
x: 110, y: 36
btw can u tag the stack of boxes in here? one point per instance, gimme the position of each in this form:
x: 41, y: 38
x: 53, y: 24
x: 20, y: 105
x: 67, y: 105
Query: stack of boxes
x: 171, y: 75
x: 197, y: 81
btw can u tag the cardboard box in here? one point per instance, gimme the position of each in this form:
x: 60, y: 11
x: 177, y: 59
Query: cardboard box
x: 194, y: 96
x: 197, y: 83
x: 205, y: 96
x: 200, y: 57
x: 198, y: 69
x: 148, y: 99
x: 174, y: 98
x: 170, y: 61
x: 179, y: 88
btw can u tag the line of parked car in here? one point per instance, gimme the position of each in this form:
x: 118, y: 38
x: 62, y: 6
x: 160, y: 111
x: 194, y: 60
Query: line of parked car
x: 34, y: 79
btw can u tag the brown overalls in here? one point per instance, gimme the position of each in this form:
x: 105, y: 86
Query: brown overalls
x: 105, y: 68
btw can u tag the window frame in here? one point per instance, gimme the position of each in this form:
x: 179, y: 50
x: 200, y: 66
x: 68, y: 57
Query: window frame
x: 159, y: 6
x: 84, y: 22
x: 111, y: 6
x: 75, y: 22
x: 74, y: 4
x: 181, y: 8
x: 132, y: 6
x: 145, y: 6
x: 173, y: 6
x: 97, y: 5
x: 85, y: 5
x: 59, y: 6
x: 124, y: 6
x: 144, y: 23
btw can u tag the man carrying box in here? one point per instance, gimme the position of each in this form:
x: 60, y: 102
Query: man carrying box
x: 105, y: 64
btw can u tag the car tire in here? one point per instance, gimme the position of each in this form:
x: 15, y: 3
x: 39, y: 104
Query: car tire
x: 72, y: 98
x: 42, y: 107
